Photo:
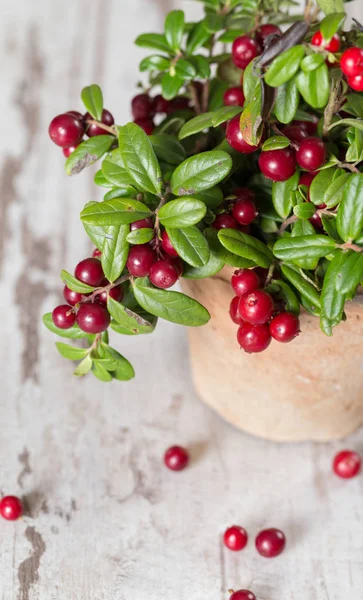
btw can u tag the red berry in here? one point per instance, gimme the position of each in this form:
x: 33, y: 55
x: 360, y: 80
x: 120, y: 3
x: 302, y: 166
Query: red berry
x: 265, y: 30
x: 307, y: 178
x: 234, y: 97
x: 351, y: 62
x: 146, y: 124
x: 278, y: 165
x: 233, y: 311
x: 309, y: 126
x: 347, y: 464
x: 63, y: 316
x: 235, y: 538
x: 140, y: 260
x: 176, y: 458
x: 244, y: 211
x: 93, y: 318
x: 356, y: 83
x: 256, y: 307
x: 141, y: 106
x: 331, y: 45
x: 176, y: 262
x: 160, y: 105
x: 244, y: 193
x: 96, y: 253
x: 11, y: 508
x: 235, y: 138
x: 93, y: 130
x: 243, y: 595
x: 253, y: 338
x: 311, y: 154
x: 68, y: 151
x: 66, y: 130
x: 285, y: 327
x: 90, y: 271
x: 116, y: 293
x: 71, y: 297
x: 244, y: 49
x: 270, y: 542
x: 224, y: 222
x: 75, y: 113
x: 295, y: 133
x: 316, y: 221
x: 178, y: 103
x: 163, y: 274
x: 167, y: 246
x: 142, y: 224
x: 245, y: 281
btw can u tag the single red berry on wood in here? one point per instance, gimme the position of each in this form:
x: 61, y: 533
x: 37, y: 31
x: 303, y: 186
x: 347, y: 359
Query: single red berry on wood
x: 93, y: 130
x: 116, y: 293
x: 265, y: 30
x: 285, y: 327
x: 163, y: 274
x: 160, y: 105
x: 244, y: 211
x: 235, y: 538
x: 66, y: 130
x: 331, y: 45
x: 93, y: 318
x: 141, y: 106
x: 235, y: 138
x: 351, y: 62
x: 167, y: 246
x: 311, y: 154
x: 347, y: 464
x: 356, y: 83
x: 245, y: 281
x: 11, y: 508
x: 278, y: 165
x: 140, y: 260
x: 96, y: 253
x: 244, y: 49
x: 90, y: 271
x: 71, y: 296
x: 234, y: 96
x: 253, y: 338
x: 256, y: 307
x: 233, y: 311
x: 176, y: 458
x: 142, y: 224
x: 63, y: 316
x: 68, y: 151
x: 242, y: 595
x: 270, y: 542
x: 146, y: 125
x: 295, y: 133
x: 224, y: 222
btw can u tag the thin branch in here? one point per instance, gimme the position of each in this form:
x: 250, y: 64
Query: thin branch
x: 286, y: 223
x: 332, y: 105
x: 195, y: 98
x: 350, y: 246
x: 106, y: 288
x: 110, y: 130
x: 352, y: 168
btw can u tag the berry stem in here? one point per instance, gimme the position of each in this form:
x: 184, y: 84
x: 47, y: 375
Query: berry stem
x: 350, y: 246
x: 195, y: 99
x: 332, y: 106
x: 205, y: 96
x: 106, y: 288
x: 286, y: 223
x: 163, y: 199
x: 110, y: 130
x: 352, y: 168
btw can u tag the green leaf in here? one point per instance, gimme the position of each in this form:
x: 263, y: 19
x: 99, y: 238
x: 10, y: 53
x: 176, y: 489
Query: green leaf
x: 128, y: 319
x: 330, y: 226
x: 170, y: 85
x: 154, y: 62
x: 314, y: 86
x: 88, y: 152
x: 306, y: 246
x: 246, y: 246
x: 200, y: 172
x: 100, y: 372
x: 292, y: 302
x: 358, y: 123
x: 332, y: 301
x: 320, y: 184
x: 171, y: 306
x: 302, y: 227
x: 167, y: 148
x: 331, y: 24
x: 174, y: 28
x: 335, y: 190
x: 275, y: 142
x: 70, y: 351
x: 331, y: 6
x: 139, y: 158
x: 124, y: 370
x: 198, y: 36
x: 282, y: 195
x: 223, y: 254
x: 251, y: 117
x: 116, y: 174
x: 115, y: 251
x: 306, y: 289
x: 312, y: 62
x: 354, y: 104
x: 217, y: 89
x: 201, y: 65
x: 190, y: 244
x: 213, y: 266
x: 197, y: 124
x: 74, y: 333
x: 225, y: 114
x: 182, y: 213
x: 287, y: 102
x: 350, y: 212
x: 284, y: 66
x: 140, y: 236
x: 249, y: 78
x: 101, y: 180
x: 185, y: 69
x: 119, y: 211
x: 93, y: 100
x: 213, y: 22
x: 155, y: 41
x: 74, y: 284
x: 212, y: 198
x: 84, y: 367
x: 304, y: 210
x: 350, y: 272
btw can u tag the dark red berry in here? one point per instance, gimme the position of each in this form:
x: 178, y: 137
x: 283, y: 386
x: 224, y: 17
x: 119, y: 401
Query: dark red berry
x: 235, y: 538
x: 93, y: 318
x: 245, y: 281
x: 90, y: 271
x: 311, y: 154
x: 356, y: 83
x: 163, y: 274
x: 309, y: 126
x: 244, y: 49
x: 351, y: 62
x: 160, y: 105
x: 253, y: 338
x: 176, y: 262
x: 295, y: 133
x: 243, y: 595
x: 347, y: 464
x: 285, y: 327
x: 146, y: 124
x: 176, y: 458
x: 140, y: 260
x: 244, y: 211
x: 256, y: 307
x: 71, y: 297
x: 278, y: 165
x: 234, y: 97
x: 93, y: 130
x: 244, y: 193
x: 96, y: 253
x: 142, y: 224
x: 316, y: 221
x: 63, y: 316
x: 265, y: 30
x: 68, y: 151
x: 224, y: 222
x: 270, y: 542
x: 307, y: 178
x: 233, y: 311
x: 331, y: 45
x: 167, y: 246
x: 66, y: 130
x: 178, y: 103
x: 141, y: 106
x: 235, y: 138
x: 116, y: 293
x: 11, y: 508
x: 75, y: 113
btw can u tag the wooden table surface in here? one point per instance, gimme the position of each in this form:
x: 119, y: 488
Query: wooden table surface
x: 106, y: 520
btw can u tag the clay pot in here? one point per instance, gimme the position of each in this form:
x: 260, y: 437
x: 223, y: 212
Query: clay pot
x: 310, y: 389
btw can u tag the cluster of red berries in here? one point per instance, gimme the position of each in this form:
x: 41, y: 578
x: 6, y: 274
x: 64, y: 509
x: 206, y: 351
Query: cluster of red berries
x: 144, y: 108
x: 351, y: 63
x: 67, y: 130
x: 269, y: 542
x: 254, y: 310
x: 241, y: 211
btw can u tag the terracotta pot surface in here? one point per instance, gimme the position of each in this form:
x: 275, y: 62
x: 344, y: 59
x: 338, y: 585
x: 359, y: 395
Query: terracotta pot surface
x: 309, y: 389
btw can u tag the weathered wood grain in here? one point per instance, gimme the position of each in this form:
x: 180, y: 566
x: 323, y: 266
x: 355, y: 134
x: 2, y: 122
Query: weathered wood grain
x: 104, y: 519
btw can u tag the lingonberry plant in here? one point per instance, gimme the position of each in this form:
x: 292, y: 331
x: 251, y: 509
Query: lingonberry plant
x: 245, y: 150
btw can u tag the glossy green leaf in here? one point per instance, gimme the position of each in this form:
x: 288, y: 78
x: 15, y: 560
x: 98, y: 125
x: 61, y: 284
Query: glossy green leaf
x: 251, y: 117
x: 88, y: 152
x: 331, y: 6
x: 225, y: 114
x: 200, y: 172
x: 350, y: 212
x: 170, y: 85
x: 358, y: 123
x: 320, y: 184
x: 185, y: 69
x: 297, y: 248
x: 93, y: 100
x: 140, y: 236
x: 287, y: 102
x: 197, y: 124
x: 128, y: 319
x: 303, y: 227
x: 119, y: 211
x: 167, y: 148
x: 306, y: 289
x: 223, y: 254
x: 331, y: 24
x: 350, y: 272
x: 190, y: 244
x: 212, y: 198
x: 74, y: 284
x: 276, y: 142
x: 334, y: 192
x: 124, y: 370
x: 312, y: 62
x: 330, y: 226
x: 289, y: 296
x: 154, y: 62
x: 100, y: 372
x: 284, y: 66
x: 201, y: 65
x: 354, y: 104
x: 217, y: 89
x: 304, y: 210
x: 116, y: 175
x: 84, y: 367
x: 213, y: 22
x: 282, y: 195
x: 139, y: 158
x: 74, y: 333
x: 101, y: 180
x: 174, y: 28
x: 314, y: 86
x: 71, y: 352
x: 332, y: 301
x: 213, y: 266
x: 115, y: 251
x: 182, y: 213
x: 154, y: 41
x: 198, y: 36
x: 246, y: 246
